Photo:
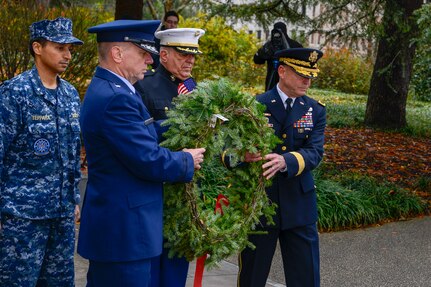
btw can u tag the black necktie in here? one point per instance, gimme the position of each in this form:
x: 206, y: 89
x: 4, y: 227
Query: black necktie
x: 288, y: 105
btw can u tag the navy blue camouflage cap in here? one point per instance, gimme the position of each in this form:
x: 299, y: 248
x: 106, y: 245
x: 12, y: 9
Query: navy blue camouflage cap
x: 302, y: 60
x: 58, y: 31
x: 138, y: 32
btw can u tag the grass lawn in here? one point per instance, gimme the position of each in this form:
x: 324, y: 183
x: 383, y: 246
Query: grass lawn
x: 372, y: 176
x: 348, y: 110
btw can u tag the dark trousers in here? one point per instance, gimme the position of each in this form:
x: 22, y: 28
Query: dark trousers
x: 119, y: 274
x: 300, y: 253
x: 168, y: 272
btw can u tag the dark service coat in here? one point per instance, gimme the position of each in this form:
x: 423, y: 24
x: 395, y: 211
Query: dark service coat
x: 123, y: 206
x: 302, y: 133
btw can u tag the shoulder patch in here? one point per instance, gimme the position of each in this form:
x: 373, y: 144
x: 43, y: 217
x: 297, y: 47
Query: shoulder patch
x: 322, y: 104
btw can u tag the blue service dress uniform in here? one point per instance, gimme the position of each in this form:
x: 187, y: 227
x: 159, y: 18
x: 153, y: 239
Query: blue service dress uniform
x: 158, y: 88
x: 122, y: 211
x: 302, y: 133
x: 40, y: 172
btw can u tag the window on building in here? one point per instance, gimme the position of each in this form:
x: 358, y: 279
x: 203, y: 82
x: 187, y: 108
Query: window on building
x: 259, y: 34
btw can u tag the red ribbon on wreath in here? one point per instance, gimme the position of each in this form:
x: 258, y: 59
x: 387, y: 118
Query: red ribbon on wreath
x: 200, y: 262
x: 221, y: 200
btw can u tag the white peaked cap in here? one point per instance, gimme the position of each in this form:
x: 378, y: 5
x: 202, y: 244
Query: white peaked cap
x: 184, y: 40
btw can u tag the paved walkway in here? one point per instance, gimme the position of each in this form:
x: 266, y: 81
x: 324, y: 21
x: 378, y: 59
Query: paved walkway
x: 392, y: 255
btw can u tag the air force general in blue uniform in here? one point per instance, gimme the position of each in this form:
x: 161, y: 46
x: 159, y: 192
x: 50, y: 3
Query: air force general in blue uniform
x: 178, y: 48
x: 299, y: 121
x: 121, y: 225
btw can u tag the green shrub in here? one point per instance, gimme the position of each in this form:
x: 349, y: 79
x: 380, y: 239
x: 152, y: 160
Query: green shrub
x: 84, y: 60
x: 340, y: 208
x: 342, y: 71
x: 424, y: 183
x: 349, y: 200
x: 421, y: 79
x: 226, y: 53
x: 15, y: 20
x: 391, y: 201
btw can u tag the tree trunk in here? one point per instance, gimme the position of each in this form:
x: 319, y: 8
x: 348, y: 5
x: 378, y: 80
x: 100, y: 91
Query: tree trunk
x: 387, y: 98
x: 128, y: 9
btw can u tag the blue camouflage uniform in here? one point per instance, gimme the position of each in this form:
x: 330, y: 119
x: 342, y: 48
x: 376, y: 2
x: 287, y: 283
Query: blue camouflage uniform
x: 40, y: 160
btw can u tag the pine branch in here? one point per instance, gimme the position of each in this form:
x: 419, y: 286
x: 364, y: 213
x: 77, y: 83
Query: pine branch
x: 192, y: 227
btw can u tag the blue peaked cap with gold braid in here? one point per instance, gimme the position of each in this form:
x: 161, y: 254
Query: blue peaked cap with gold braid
x: 138, y: 32
x: 302, y: 60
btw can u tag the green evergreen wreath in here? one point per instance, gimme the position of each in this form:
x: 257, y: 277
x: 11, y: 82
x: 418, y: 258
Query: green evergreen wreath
x: 224, y: 120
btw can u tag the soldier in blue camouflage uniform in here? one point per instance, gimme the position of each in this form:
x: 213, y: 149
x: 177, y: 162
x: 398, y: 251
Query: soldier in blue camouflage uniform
x: 40, y: 164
